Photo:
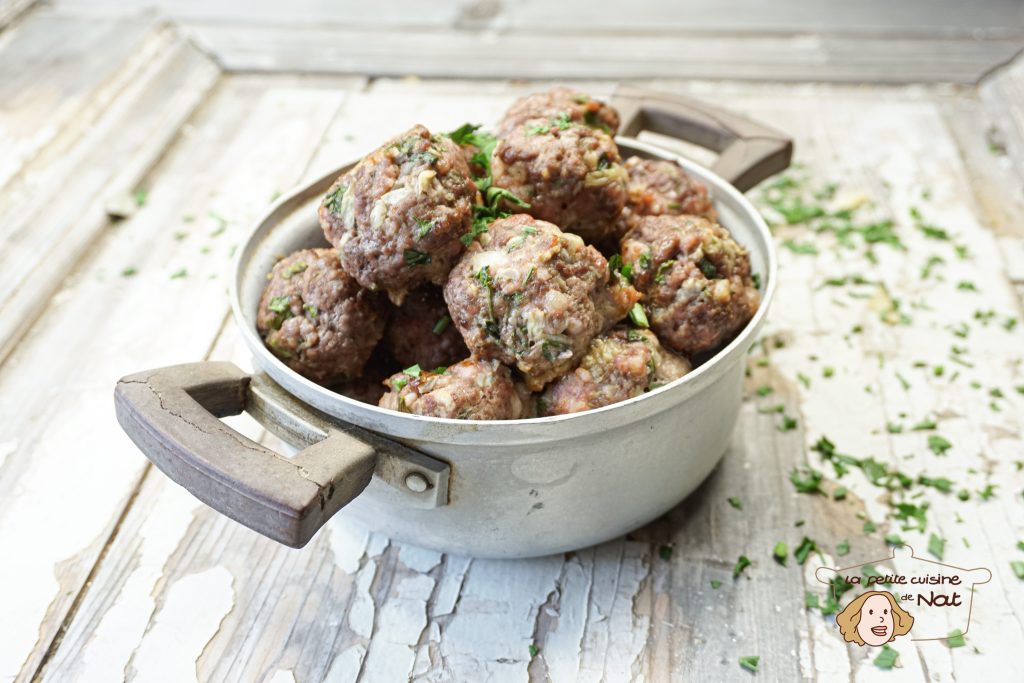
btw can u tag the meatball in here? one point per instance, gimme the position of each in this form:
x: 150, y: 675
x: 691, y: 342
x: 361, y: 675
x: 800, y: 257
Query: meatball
x: 619, y: 365
x: 420, y: 331
x: 469, y: 390
x: 561, y: 103
x: 397, y: 216
x: 533, y: 297
x: 316, y: 318
x: 698, y: 291
x: 658, y: 187
x: 569, y: 174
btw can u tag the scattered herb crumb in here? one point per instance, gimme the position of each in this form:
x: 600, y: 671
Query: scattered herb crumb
x: 750, y: 663
x: 956, y: 638
x: 179, y: 274
x: 533, y: 650
x: 129, y: 271
x: 665, y: 552
x: 736, y: 502
x: 843, y: 548
x: 743, y: 562
x: 887, y: 658
x: 936, y: 546
x: 715, y: 584
x: 938, y: 444
x: 780, y: 552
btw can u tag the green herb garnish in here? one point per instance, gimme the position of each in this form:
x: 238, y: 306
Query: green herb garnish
x: 741, y: 563
x: 441, y: 325
x: 780, y: 552
x: 638, y: 317
x: 750, y: 662
x: 333, y: 200
x: 416, y: 258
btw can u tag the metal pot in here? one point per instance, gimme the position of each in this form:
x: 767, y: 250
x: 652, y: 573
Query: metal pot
x: 514, y: 488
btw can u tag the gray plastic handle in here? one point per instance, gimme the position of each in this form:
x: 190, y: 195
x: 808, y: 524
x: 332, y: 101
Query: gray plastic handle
x: 172, y: 416
x: 748, y: 151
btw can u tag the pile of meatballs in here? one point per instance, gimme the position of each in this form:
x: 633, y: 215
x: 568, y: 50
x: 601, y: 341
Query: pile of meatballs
x: 526, y: 273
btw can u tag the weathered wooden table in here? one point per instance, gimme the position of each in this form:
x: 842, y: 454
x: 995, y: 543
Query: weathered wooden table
x: 108, y: 571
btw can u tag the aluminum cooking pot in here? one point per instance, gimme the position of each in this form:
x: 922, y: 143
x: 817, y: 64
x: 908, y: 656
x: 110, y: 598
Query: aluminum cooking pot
x: 515, y: 488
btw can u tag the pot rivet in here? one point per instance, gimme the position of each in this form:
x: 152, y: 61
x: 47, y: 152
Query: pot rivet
x: 416, y: 482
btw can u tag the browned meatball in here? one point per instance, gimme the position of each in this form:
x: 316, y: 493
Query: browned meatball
x: 317, y: 319
x: 569, y: 174
x: 420, y: 331
x: 558, y: 103
x: 619, y: 365
x: 468, y: 390
x: 696, y: 280
x: 533, y: 297
x: 398, y: 215
x: 659, y: 187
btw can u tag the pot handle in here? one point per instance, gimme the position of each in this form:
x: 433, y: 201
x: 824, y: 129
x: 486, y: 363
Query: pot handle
x: 748, y: 151
x: 172, y: 416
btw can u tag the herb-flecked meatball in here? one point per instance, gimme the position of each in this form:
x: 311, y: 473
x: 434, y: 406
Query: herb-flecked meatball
x: 533, y: 297
x: 698, y: 290
x: 569, y: 174
x: 618, y: 365
x: 658, y: 187
x: 397, y: 216
x: 469, y: 390
x: 420, y: 332
x: 561, y: 102
x: 316, y: 318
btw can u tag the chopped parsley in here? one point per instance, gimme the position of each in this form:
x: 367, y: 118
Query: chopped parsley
x: 750, y: 662
x: 706, y: 267
x: 956, y: 638
x: 665, y: 552
x: 938, y: 444
x: 534, y: 650
x: 806, y: 547
x: 638, y: 317
x: 843, y: 548
x: 736, y: 502
x: 416, y: 258
x: 936, y: 546
x: 424, y: 228
x: 179, y: 274
x: 413, y: 370
x: 140, y: 196
x: 294, y: 269
x: 741, y: 563
x: 715, y: 584
x: 129, y: 271
x: 887, y: 658
x: 311, y: 310
x: 1018, y: 568
x: 806, y: 481
x: 780, y: 552
x: 441, y: 325
x: 332, y: 202
x: 659, y: 276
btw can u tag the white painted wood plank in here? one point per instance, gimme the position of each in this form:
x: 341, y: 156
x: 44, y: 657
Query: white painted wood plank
x: 539, y: 55
x: 59, y: 72
x: 10, y: 10
x: 73, y: 469
x: 54, y: 212
x: 740, y: 16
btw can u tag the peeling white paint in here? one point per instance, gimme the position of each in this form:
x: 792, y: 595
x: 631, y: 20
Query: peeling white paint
x: 189, y: 619
x: 346, y: 666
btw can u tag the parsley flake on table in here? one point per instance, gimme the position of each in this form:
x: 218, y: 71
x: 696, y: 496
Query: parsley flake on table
x: 938, y: 444
x: 843, y: 548
x: 956, y: 638
x: 887, y: 658
x: 750, y: 662
x: 534, y: 650
x: 803, y: 551
x: 1018, y: 568
x: 780, y: 552
x: 742, y: 562
x: 936, y: 546
x: 806, y: 480
x: 715, y: 584
x: 665, y: 552
x: 413, y: 370
x: 736, y: 502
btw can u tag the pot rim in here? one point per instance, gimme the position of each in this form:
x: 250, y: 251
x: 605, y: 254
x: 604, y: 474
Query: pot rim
x: 408, y: 423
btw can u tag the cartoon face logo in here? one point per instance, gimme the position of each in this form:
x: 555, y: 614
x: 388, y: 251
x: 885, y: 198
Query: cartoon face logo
x: 874, y: 619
